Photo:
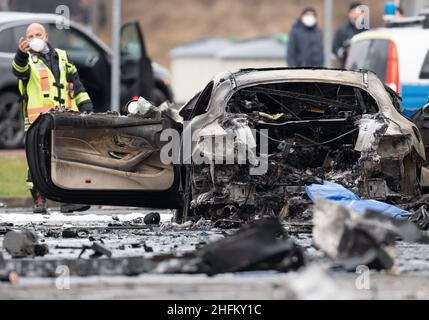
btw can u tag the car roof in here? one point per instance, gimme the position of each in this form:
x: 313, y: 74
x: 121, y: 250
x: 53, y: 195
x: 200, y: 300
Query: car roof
x: 226, y: 83
x: 353, y: 77
x: 415, y: 33
x: 11, y: 16
x: 363, y: 79
x: 412, y: 44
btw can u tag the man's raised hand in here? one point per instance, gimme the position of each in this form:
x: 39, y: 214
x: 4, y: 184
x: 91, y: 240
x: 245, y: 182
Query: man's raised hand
x: 24, y: 45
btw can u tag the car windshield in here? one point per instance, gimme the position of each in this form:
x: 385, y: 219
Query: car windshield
x: 369, y: 55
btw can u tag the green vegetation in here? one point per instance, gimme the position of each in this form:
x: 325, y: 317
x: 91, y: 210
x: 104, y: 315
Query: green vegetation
x: 13, y: 176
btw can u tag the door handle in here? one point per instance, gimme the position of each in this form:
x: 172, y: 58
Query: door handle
x: 92, y: 61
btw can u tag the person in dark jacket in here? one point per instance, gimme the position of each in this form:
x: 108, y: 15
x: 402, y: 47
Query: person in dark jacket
x: 305, y: 44
x: 346, y: 32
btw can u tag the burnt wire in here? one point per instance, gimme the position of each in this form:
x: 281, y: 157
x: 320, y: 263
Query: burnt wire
x: 304, y: 97
x: 252, y: 186
x: 283, y: 106
x: 313, y: 143
x: 320, y: 90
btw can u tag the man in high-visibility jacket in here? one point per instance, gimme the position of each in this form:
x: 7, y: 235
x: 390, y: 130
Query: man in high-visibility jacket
x: 47, y: 80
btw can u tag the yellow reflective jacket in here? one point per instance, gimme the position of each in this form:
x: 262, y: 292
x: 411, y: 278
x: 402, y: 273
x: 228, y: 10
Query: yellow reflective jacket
x: 41, y: 92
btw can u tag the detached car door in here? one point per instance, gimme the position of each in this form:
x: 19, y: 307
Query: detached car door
x: 102, y: 159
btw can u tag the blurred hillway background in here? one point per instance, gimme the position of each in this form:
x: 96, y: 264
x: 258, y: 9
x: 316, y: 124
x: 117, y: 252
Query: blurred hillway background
x: 170, y: 23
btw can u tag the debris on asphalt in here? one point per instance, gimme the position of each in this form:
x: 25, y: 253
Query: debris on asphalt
x: 129, y: 266
x: 176, y: 226
x: 23, y: 243
x: 147, y: 248
x: 352, y: 239
x: 137, y: 221
x: 98, y: 249
x: 203, y: 224
x: 10, y: 276
x: 262, y: 245
x: 340, y: 236
x: 421, y: 218
x: 53, y: 233
x: 5, y: 227
x: 152, y: 218
x: 75, y: 233
x: 419, y: 211
x: 227, y: 224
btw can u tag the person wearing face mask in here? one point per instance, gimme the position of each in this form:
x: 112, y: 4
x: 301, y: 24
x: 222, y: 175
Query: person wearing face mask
x: 47, y: 80
x: 346, y: 32
x: 305, y: 44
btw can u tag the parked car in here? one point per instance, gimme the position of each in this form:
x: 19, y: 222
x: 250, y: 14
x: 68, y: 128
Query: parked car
x: 399, y: 55
x: 321, y: 124
x: 139, y: 76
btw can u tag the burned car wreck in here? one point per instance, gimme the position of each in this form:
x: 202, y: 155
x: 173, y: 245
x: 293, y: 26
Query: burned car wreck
x: 314, y: 124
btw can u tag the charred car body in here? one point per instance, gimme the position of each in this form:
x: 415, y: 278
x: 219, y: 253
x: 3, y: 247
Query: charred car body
x: 319, y: 124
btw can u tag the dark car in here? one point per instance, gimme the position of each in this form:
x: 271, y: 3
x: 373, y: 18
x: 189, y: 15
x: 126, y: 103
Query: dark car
x: 139, y: 76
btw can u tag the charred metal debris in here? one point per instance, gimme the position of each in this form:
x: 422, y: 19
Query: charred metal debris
x: 352, y: 240
x: 260, y: 245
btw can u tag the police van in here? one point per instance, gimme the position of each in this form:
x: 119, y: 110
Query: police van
x: 399, y: 55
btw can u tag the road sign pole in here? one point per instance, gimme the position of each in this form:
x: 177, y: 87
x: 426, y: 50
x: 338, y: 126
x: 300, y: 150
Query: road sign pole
x: 116, y: 58
x: 327, y: 31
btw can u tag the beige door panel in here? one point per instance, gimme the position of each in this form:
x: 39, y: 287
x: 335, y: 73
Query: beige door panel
x: 103, y: 159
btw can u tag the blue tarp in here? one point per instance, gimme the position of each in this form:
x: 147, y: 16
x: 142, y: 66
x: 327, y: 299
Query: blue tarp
x: 339, y: 194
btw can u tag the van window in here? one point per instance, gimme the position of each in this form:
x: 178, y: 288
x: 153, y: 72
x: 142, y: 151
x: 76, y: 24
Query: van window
x: 424, y: 73
x: 370, y: 55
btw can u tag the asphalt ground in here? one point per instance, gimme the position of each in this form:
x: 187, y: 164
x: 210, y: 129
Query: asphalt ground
x: 407, y: 280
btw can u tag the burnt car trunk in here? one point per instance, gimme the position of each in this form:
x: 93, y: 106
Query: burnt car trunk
x: 316, y: 132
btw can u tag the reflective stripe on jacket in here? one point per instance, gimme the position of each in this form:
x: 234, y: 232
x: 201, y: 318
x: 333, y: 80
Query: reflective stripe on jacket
x: 41, y: 92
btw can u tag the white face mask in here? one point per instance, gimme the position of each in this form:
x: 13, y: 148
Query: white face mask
x: 309, y: 20
x: 37, y: 45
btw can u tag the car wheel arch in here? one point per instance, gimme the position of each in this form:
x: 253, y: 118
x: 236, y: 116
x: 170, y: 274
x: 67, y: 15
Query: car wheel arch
x: 17, y: 140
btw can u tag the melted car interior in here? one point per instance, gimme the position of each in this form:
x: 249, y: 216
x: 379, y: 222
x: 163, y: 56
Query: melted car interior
x: 314, y: 118
x: 312, y: 133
